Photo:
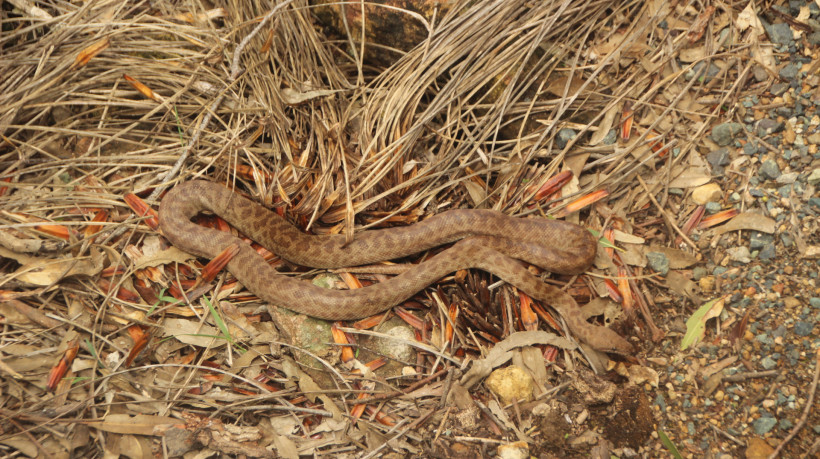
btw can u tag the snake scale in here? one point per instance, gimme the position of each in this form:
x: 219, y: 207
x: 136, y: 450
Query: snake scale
x: 484, y: 239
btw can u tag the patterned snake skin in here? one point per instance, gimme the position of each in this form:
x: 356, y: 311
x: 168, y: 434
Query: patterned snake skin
x: 487, y: 240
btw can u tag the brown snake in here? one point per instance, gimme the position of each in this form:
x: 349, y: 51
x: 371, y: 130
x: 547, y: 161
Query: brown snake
x: 487, y: 240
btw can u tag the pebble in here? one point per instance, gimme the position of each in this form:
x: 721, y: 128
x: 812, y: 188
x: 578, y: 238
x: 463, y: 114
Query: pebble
x: 814, y: 177
x: 658, y: 262
x: 564, y: 136
x: 717, y: 159
x: 769, y: 170
x: 764, y: 424
x: 740, y: 254
x: 706, y: 193
x: 780, y: 34
x: 712, y: 207
x: 815, y: 302
x: 758, y: 240
x: 510, y: 384
x: 767, y: 253
x: 724, y: 133
x: 787, y: 179
x: 803, y: 328
x: 768, y: 363
x: 768, y: 126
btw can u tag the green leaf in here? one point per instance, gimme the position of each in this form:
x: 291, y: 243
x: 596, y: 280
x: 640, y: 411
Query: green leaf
x: 696, y: 324
x: 673, y: 450
x: 604, y: 241
x: 218, y: 320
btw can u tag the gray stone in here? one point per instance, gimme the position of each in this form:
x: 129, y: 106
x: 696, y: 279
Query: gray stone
x: 814, y: 38
x: 758, y: 240
x: 789, y: 178
x: 698, y: 273
x: 767, y: 253
x: 764, y: 424
x: 768, y: 126
x: 803, y: 328
x: 789, y: 72
x: 814, y: 177
x: 724, y: 133
x: 658, y: 262
x: 564, y: 136
x: 717, y: 159
x: 815, y: 302
x: 780, y: 34
x: 778, y: 89
x: 769, y: 170
x: 712, y: 207
x: 740, y: 254
x: 768, y: 363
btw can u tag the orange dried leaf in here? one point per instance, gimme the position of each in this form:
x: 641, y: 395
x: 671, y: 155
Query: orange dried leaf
x: 218, y: 263
x: 369, y: 322
x: 141, y: 88
x: 142, y: 210
x: 552, y: 185
x: 99, y: 217
x: 350, y: 280
x: 58, y: 231
x: 58, y: 371
x: 718, y: 218
x: 625, y: 290
x: 585, y: 201
x: 612, y: 291
x: 528, y: 318
x: 339, y: 337
x: 89, y: 53
x: 627, y: 117
x: 410, y: 318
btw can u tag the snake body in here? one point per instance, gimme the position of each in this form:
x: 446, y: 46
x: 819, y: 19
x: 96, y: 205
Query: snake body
x: 484, y: 239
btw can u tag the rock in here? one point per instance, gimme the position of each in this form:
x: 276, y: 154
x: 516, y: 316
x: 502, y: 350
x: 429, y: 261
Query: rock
x: 516, y: 450
x: 815, y: 302
x: 767, y: 253
x: 724, y: 133
x: 814, y: 177
x: 712, y: 207
x: 706, y: 193
x: 803, y: 328
x: 769, y: 170
x: 740, y: 254
x: 564, y: 136
x: 789, y: 178
x: 511, y: 383
x: 778, y: 89
x: 768, y: 363
x: 658, y: 262
x: 814, y: 38
x: 758, y: 240
x: 789, y: 72
x: 764, y: 424
x: 780, y: 34
x: 717, y: 159
x: 768, y: 126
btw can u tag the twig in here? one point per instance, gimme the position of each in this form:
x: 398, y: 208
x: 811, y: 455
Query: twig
x: 806, y: 410
x: 666, y: 215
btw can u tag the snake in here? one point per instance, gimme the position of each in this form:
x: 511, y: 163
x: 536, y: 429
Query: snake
x: 481, y: 239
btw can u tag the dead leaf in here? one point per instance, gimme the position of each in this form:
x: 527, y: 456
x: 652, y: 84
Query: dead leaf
x: 140, y: 424
x: 682, y: 285
x: 678, y: 259
x: 192, y: 332
x: 746, y: 221
x: 46, y: 272
x: 293, y: 97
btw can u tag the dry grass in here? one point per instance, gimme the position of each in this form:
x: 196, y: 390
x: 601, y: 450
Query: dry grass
x: 469, y: 118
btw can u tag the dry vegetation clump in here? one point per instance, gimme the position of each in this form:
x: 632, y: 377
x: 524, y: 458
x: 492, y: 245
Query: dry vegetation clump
x: 582, y: 110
